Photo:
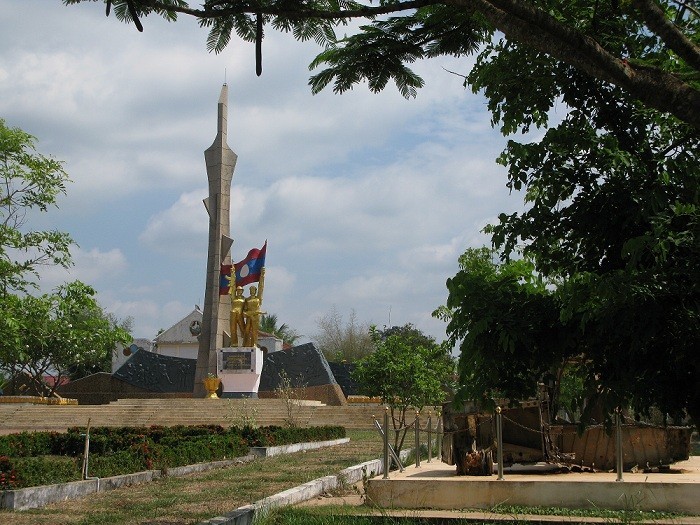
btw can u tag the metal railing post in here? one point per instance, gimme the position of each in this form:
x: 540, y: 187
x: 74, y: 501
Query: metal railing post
x: 618, y: 444
x: 439, y: 435
x: 417, y: 449
x: 386, y: 443
x: 499, y: 442
x: 86, y: 451
x: 392, y: 452
x: 430, y: 436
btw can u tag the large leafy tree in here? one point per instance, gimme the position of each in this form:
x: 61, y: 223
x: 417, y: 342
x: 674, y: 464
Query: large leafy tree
x: 64, y: 334
x: 505, y: 319
x: 613, y: 194
x: 624, y: 344
x: 408, y: 371
x: 660, y: 66
x: 29, y: 182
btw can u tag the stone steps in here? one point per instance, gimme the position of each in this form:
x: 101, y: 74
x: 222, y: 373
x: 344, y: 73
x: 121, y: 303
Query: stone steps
x: 169, y: 412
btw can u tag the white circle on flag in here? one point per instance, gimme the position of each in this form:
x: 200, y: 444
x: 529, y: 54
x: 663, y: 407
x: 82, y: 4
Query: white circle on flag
x: 245, y: 271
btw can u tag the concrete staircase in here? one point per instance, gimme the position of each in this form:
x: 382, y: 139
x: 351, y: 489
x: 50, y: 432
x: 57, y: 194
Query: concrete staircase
x: 348, y: 416
x: 18, y: 417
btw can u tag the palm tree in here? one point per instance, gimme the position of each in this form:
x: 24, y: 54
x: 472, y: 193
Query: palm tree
x: 268, y: 323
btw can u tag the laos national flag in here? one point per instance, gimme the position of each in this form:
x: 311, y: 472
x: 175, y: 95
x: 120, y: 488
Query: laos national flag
x: 248, y: 270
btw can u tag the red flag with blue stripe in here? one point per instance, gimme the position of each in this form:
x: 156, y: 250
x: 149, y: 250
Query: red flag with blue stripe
x: 249, y: 269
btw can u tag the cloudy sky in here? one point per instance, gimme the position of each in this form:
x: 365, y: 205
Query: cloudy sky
x: 366, y: 200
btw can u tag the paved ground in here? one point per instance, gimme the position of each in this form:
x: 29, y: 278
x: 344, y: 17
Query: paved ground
x: 682, y: 472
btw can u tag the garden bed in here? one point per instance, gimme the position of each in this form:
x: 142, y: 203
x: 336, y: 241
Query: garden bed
x: 49, y: 458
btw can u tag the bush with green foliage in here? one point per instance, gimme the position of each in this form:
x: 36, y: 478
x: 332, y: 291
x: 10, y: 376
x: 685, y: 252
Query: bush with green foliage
x: 39, y: 458
x: 408, y: 370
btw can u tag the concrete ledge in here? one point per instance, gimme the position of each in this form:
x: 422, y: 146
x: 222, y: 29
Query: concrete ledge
x: 436, y: 486
x: 203, y: 467
x: 33, y: 497
x: 295, y: 447
x: 245, y: 515
x: 36, y: 400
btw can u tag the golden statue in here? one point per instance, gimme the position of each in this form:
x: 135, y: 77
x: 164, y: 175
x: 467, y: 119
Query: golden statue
x: 237, y: 322
x: 252, y: 313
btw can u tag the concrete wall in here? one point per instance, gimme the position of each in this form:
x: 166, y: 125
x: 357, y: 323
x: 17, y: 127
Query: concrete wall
x: 103, y: 388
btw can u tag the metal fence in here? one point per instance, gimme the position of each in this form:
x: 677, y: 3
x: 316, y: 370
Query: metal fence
x: 433, y: 432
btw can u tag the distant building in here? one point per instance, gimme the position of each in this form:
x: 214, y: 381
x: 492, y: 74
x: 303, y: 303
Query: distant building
x: 178, y: 341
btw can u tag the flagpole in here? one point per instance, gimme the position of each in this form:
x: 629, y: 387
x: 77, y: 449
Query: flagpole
x: 261, y: 284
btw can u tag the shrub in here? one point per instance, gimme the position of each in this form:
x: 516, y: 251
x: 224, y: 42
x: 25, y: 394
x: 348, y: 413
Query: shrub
x: 46, y: 470
x: 122, y: 462
x: 26, y: 444
x: 8, y: 476
x: 38, y: 458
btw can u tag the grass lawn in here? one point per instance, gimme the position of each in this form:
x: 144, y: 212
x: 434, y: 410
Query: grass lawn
x: 338, y: 515
x: 196, y: 497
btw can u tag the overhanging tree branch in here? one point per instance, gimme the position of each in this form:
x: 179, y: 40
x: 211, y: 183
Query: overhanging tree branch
x: 652, y: 86
x: 668, y: 32
x: 519, y: 20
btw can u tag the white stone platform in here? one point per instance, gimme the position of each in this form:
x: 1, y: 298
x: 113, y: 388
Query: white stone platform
x: 435, y: 485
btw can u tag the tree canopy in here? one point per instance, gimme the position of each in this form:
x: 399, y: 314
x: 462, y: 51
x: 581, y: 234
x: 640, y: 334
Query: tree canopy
x: 631, y: 346
x: 408, y: 371
x: 29, y: 182
x: 612, y: 222
x: 64, y: 334
x: 506, y: 322
x: 647, y: 48
x: 610, y: 238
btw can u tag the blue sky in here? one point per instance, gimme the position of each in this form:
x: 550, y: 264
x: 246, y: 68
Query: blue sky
x: 366, y: 200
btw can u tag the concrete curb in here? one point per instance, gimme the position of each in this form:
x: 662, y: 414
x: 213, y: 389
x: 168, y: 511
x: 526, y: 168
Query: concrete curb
x: 34, y: 497
x: 267, y: 452
x: 245, y: 515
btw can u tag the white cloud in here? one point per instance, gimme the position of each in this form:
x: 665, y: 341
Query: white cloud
x: 181, y: 228
x: 90, y: 266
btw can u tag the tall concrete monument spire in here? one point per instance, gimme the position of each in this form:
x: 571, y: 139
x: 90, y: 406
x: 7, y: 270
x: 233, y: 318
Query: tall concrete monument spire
x: 220, y: 161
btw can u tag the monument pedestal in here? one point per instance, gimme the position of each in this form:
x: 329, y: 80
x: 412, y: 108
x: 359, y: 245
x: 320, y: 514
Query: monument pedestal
x: 239, y: 369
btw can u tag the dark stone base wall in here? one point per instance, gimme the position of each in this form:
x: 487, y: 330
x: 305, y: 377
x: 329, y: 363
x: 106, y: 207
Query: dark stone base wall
x: 103, y: 388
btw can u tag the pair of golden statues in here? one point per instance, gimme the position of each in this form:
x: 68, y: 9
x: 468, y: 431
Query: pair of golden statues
x: 245, y: 314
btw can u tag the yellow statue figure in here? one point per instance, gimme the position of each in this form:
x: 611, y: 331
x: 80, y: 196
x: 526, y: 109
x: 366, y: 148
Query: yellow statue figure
x: 252, y: 312
x: 237, y: 322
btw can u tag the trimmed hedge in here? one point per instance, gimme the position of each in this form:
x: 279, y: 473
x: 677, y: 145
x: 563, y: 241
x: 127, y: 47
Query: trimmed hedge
x: 273, y: 436
x: 40, y: 458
